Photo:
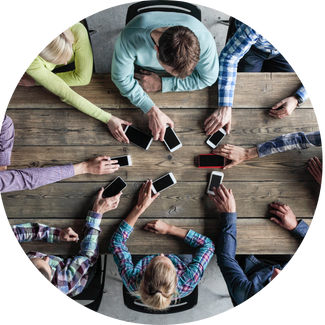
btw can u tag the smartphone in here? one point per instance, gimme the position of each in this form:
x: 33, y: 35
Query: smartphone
x: 114, y: 187
x: 123, y: 161
x: 163, y: 182
x: 215, y: 181
x: 139, y: 138
x: 215, y: 139
x: 211, y: 161
x: 171, y: 140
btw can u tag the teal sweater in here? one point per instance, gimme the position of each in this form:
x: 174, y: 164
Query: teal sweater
x: 135, y: 46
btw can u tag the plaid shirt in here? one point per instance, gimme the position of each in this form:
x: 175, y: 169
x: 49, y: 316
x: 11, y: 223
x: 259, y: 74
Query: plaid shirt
x: 234, y: 50
x: 290, y: 141
x: 188, y: 275
x: 69, y: 275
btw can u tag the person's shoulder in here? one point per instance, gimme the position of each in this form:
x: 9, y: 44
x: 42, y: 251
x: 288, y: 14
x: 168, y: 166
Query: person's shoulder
x: 79, y: 31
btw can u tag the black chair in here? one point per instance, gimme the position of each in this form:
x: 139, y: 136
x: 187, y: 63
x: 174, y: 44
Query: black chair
x: 94, y: 290
x: 163, y: 5
x: 182, y: 304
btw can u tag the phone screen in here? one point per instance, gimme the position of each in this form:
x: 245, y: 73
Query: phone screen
x: 122, y: 161
x: 162, y: 183
x: 170, y: 138
x: 215, y: 182
x: 114, y: 188
x: 138, y: 137
x: 217, y: 137
x: 211, y: 160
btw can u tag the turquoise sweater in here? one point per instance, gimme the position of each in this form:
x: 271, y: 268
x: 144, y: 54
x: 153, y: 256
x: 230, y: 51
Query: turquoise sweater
x: 135, y: 46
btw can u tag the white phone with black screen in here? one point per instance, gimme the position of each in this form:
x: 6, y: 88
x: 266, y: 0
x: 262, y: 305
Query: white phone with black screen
x: 123, y: 161
x: 215, y: 181
x: 215, y: 139
x: 163, y: 182
x: 139, y: 138
x: 171, y: 140
x: 114, y: 187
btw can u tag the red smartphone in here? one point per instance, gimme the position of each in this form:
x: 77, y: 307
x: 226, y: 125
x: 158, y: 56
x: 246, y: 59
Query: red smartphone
x: 211, y: 161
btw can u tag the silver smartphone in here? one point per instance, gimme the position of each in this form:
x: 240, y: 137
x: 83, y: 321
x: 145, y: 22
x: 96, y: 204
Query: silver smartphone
x: 215, y: 181
x: 171, y: 140
x: 123, y: 161
x: 114, y: 187
x: 215, y: 139
x: 163, y: 182
x: 139, y: 138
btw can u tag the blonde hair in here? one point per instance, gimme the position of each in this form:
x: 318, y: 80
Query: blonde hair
x: 158, y: 285
x: 59, y: 50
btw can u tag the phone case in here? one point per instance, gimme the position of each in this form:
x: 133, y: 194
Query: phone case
x: 204, y: 167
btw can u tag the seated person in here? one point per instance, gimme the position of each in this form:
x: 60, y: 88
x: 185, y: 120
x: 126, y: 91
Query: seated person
x: 71, y: 46
x: 30, y: 178
x: 159, y: 279
x: 69, y: 275
x: 172, y: 42
x: 251, y: 52
x: 244, y: 282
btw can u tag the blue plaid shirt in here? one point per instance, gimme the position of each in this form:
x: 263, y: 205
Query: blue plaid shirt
x: 234, y: 50
x: 290, y: 141
x: 188, y: 275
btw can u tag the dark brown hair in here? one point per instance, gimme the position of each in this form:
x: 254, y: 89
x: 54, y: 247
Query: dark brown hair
x: 179, y: 48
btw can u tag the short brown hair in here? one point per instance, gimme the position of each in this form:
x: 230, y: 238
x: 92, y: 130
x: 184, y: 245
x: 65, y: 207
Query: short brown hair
x: 180, y: 49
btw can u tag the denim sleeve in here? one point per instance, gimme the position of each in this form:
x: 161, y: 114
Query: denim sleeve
x: 302, y: 93
x: 301, y: 229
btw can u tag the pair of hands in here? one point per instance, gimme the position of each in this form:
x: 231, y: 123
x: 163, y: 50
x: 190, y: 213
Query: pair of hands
x: 222, y: 116
x: 225, y: 202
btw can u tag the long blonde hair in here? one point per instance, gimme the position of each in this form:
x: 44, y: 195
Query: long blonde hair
x: 158, y: 286
x: 59, y: 50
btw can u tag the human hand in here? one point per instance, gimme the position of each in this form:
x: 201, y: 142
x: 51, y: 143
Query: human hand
x: 234, y: 154
x: 315, y: 168
x: 97, y: 166
x: 221, y: 117
x: 157, y: 227
x: 149, y: 81
x: 68, y: 235
x: 223, y: 199
x: 26, y: 81
x: 287, y: 219
x: 288, y: 106
x: 145, y: 198
x: 157, y: 123
x: 115, y: 125
x: 103, y: 205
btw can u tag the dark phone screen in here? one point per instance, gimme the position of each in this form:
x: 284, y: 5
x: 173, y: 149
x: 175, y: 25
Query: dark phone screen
x: 122, y: 161
x: 217, y: 137
x: 138, y: 137
x: 162, y: 183
x: 114, y: 188
x: 215, y: 182
x: 211, y: 161
x: 170, y: 138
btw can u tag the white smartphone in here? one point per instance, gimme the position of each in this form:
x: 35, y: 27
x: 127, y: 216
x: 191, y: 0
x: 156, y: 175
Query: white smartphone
x: 114, y: 187
x: 139, y: 138
x: 171, y: 140
x: 215, y: 181
x: 123, y: 161
x: 215, y: 139
x: 163, y: 182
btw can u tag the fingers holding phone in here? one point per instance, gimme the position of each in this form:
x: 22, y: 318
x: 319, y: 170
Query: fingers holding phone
x: 145, y: 196
x: 105, y: 204
x: 223, y: 199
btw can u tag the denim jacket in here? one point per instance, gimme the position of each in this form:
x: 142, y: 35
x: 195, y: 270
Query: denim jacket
x: 244, y: 283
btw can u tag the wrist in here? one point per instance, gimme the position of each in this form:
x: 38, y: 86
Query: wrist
x: 154, y: 110
x: 81, y: 168
x: 251, y: 153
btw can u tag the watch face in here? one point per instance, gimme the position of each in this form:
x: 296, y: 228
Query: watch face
x: 300, y: 101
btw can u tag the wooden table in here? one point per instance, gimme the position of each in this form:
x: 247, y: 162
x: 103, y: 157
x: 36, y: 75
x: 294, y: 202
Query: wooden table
x: 49, y: 133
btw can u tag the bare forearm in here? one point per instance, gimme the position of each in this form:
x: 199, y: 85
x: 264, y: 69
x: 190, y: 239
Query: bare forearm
x: 176, y: 231
x: 132, y: 218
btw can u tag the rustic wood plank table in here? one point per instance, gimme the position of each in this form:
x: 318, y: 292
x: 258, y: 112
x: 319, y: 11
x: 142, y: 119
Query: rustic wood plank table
x: 49, y: 133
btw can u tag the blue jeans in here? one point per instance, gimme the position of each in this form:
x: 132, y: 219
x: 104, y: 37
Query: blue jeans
x: 256, y: 60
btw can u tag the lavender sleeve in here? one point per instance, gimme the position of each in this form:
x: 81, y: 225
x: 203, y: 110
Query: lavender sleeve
x: 30, y: 178
x: 7, y: 135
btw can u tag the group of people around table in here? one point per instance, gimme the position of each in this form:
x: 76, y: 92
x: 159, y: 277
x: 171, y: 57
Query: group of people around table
x: 182, y: 46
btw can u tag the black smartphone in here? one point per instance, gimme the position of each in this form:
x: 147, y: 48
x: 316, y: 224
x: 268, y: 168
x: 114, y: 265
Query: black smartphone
x: 171, y: 140
x: 214, y: 139
x: 139, y: 138
x: 123, y: 161
x: 163, y: 182
x: 211, y: 161
x: 114, y: 187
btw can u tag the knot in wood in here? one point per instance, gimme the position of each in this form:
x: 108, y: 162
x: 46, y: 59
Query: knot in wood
x: 169, y: 157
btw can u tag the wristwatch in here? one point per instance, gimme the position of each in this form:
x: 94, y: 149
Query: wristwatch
x: 299, y: 99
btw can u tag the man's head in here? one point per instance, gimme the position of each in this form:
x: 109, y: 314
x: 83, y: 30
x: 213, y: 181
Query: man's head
x: 179, y: 49
x: 42, y: 264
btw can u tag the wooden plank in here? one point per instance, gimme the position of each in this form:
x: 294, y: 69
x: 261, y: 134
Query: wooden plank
x: 183, y: 200
x: 254, y: 236
x: 70, y: 127
x: 252, y: 90
x: 287, y: 166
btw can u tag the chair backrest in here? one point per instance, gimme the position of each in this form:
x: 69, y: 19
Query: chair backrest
x: 182, y: 304
x: 162, y: 5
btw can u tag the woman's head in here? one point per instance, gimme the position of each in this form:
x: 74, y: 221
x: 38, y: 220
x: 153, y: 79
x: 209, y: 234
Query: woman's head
x: 59, y: 51
x: 159, y: 283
